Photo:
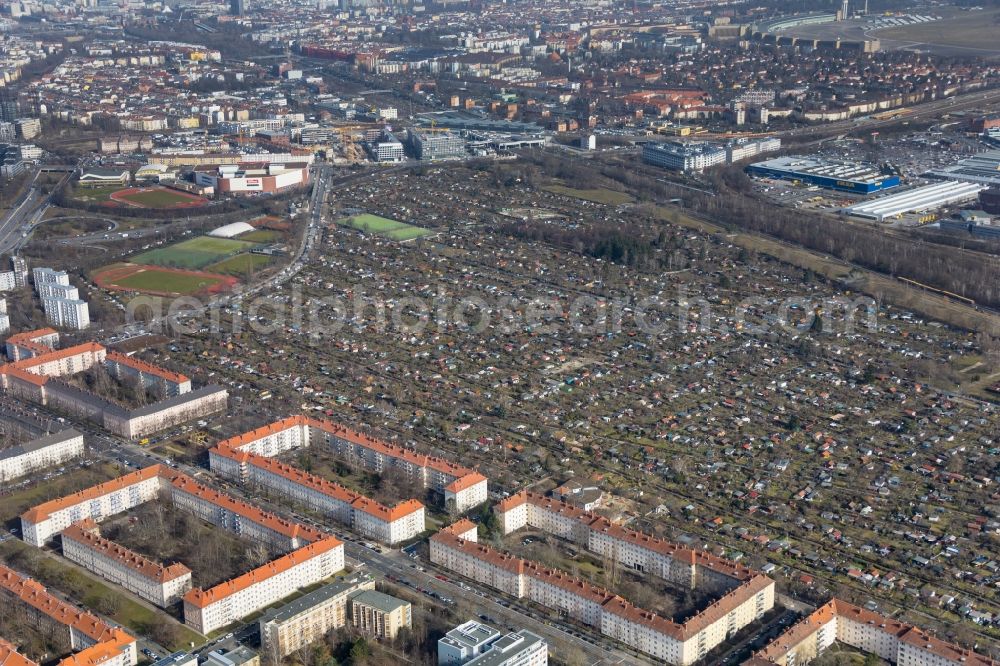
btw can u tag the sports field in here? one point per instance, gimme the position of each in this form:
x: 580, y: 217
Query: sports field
x: 193, y: 253
x: 383, y: 226
x: 159, y: 281
x: 239, y: 264
x: 156, y: 197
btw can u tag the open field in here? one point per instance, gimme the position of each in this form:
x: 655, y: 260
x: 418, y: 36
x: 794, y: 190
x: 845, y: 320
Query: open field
x: 596, y: 195
x: 193, y: 253
x: 95, y: 194
x: 392, y: 229
x: 240, y: 264
x: 159, y: 280
x: 156, y: 197
x: 967, y: 31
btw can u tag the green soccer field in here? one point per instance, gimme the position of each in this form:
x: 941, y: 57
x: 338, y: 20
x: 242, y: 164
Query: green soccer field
x: 166, y: 282
x: 193, y: 253
x: 392, y: 229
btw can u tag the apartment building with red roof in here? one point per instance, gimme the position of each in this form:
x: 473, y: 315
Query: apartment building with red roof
x: 95, y: 643
x: 461, y: 487
x: 309, y: 555
x: 156, y: 583
x: 839, y: 621
x: 456, y: 548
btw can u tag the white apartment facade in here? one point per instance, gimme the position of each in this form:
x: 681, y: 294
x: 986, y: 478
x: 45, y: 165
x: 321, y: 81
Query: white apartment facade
x: 891, y: 640
x: 309, y: 618
x: 39, y: 453
x: 749, y: 598
x: 208, y: 610
x: 157, y: 584
x: 313, y: 556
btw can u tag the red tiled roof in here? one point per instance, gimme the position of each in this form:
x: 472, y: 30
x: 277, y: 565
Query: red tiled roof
x: 83, y: 533
x: 202, y: 598
x: 9, y: 656
x: 147, y: 368
x: 42, y: 511
x: 324, y: 486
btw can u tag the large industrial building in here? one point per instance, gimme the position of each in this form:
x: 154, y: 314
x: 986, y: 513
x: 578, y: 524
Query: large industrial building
x: 982, y: 168
x: 857, y: 178
x: 917, y: 200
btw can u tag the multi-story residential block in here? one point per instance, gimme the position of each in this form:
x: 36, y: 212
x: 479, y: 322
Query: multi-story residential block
x: 887, y: 638
x: 310, y: 555
x: 36, y: 378
x: 307, y: 619
x: 462, y: 488
x: 365, y: 516
x: 455, y: 548
x: 4, y: 317
x: 46, y: 451
x: 57, y: 290
x: 27, y: 128
x: 44, y: 275
x: 476, y: 644
x: 31, y: 343
x: 379, y: 614
x: 94, y: 642
x: 161, y: 585
x: 71, y: 313
x: 20, y: 268
x: 7, y: 281
x: 149, y: 375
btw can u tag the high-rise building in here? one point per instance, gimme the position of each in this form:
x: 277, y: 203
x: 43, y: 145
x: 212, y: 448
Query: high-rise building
x: 237, y: 7
x: 20, y: 268
x: 10, y: 110
x: 4, y: 319
x: 70, y: 313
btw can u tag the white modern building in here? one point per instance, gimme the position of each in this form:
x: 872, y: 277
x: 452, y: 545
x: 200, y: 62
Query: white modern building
x: 387, y: 149
x: 683, y: 156
x: 4, y: 317
x: 71, y: 313
x: 476, y: 644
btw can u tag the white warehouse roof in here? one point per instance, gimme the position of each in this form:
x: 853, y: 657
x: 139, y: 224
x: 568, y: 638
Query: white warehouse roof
x: 231, y: 230
x: 918, y: 199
